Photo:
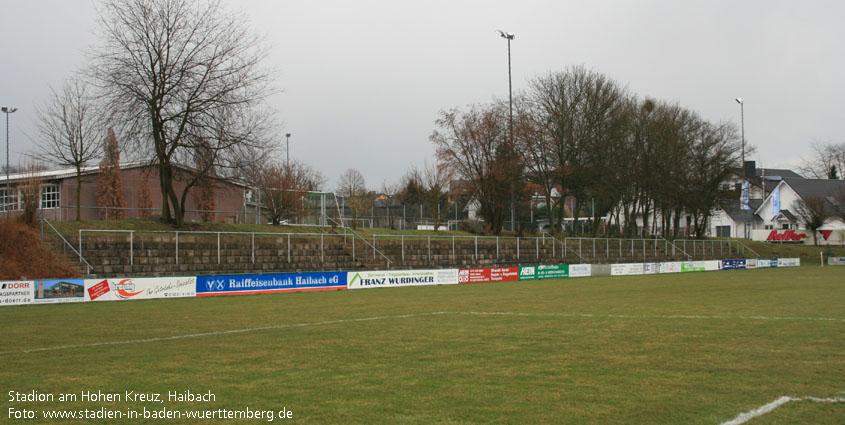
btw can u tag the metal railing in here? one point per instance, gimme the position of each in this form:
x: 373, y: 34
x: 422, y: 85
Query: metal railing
x: 219, y: 248
x: 619, y: 247
x: 88, y: 265
x: 714, y: 247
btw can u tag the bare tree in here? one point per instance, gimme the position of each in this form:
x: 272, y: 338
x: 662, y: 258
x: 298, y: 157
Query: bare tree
x: 179, y: 72
x: 813, y: 211
x: 352, y: 188
x: 109, y: 189
x: 827, y: 161
x: 31, y: 195
x: 391, y: 192
x: 431, y: 185
x: 283, y: 188
x: 71, y: 129
x: 474, y: 145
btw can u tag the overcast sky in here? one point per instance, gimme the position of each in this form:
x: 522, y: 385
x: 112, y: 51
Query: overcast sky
x: 362, y: 81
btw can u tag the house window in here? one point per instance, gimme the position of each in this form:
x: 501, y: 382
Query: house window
x: 723, y: 231
x: 49, y: 196
x: 10, y: 201
x: 770, y: 227
x: 784, y: 226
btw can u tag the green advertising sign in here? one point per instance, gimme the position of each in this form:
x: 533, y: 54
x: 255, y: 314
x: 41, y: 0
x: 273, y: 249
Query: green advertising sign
x: 692, y: 266
x: 553, y: 272
x: 528, y: 273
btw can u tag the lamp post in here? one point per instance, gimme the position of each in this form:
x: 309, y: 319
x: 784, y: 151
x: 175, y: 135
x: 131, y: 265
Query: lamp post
x: 509, y: 36
x: 742, y: 121
x: 743, y: 204
x: 7, y: 110
x: 287, y: 150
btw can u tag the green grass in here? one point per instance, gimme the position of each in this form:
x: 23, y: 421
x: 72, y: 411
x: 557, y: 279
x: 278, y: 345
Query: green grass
x: 662, y: 349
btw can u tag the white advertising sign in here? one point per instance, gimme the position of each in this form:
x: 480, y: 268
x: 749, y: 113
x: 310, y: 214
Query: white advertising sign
x: 16, y: 292
x: 712, y: 265
x: 394, y: 278
x: 140, y: 288
x: 626, y: 269
x: 670, y: 267
x: 651, y: 268
x: 789, y: 262
x: 750, y: 263
x: 580, y: 270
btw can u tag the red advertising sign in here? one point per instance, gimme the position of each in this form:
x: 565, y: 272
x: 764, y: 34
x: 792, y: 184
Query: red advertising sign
x: 98, y: 290
x: 499, y: 274
x: 473, y: 275
x: 495, y: 274
x: 787, y: 235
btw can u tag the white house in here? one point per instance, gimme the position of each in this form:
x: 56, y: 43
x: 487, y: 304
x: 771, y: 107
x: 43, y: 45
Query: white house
x: 780, y: 209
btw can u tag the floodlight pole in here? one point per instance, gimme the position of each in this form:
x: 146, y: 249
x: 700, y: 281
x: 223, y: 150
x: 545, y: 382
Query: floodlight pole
x: 742, y: 165
x: 287, y: 150
x: 7, y: 110
x: 509, y: 36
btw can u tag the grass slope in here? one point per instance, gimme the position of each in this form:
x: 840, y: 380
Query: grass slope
x: 664, y: 349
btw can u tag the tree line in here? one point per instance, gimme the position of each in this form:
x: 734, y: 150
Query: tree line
x: 588, y: 136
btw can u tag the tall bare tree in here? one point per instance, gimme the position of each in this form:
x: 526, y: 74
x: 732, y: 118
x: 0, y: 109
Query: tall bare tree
x: 813, y: 211
x: 827, y: 161
x: 352, y: 188
x: 283, y: 189
x: 71, y: 129
x: 109, y: 189
x: 431, y: 185
x: 474, y: 145
x: 178, y: 72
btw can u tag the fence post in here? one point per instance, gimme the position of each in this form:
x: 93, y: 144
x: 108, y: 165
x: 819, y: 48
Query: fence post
x: 538, y: 247
x: 374, y: 247
x: 177, y: 248
x: 517, y: 248
x: 288, y: 248
x: 132, y: 248
x: 453, y: 248
x: 353, y: 249
x: 218, y: 247
x: 497, y: 248
x: 403, y: 249
x: 322, y: 252
x: 80, y: 245
x: 476, y: 249
x: 429, y: 249
x: 253, y: 247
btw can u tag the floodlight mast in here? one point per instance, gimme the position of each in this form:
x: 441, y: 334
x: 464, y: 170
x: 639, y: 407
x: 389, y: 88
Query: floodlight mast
x: 509, y: 36
x: 7, y: 110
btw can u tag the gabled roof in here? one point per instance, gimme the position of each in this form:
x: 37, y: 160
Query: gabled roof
x: 737, y: 214
x: 808, y: 188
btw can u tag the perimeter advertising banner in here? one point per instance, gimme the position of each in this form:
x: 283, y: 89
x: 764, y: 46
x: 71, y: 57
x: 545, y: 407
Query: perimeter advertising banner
x: 488, y: 274
x: 765, y: 263
x: 269, y: 283
x: 580, y: 270
x: 750, y: 263
x: 544, y: 272
x: 789, y: 262
x: 140, y: 288
x: 394, y: 278
x: 16, y: 292
x: 651, y: 268
x: 733, y: 264
x: 626, y: 269
x: 701, y: 266
x: 671, y: 267
x: 59, y: 291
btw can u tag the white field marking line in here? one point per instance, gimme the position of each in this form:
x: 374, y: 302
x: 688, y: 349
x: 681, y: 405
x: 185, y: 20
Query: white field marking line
x: 404, y: 316
x: 767, y: 408
x: 226, y: 332
x: 645, y: 316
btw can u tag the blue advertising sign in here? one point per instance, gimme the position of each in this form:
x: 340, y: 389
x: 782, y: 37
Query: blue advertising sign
x: 733, y: 264
x: 269, y: 283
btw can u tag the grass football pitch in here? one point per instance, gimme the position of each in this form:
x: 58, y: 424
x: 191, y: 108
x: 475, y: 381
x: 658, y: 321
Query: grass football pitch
x: 698, y: 348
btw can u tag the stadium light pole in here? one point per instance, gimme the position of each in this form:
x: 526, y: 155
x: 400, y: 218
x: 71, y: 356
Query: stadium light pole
x: 287, y: 150
x: 742, y: 165
x: 7, y: 110
x: 742, y: 131
x: 509, y: 36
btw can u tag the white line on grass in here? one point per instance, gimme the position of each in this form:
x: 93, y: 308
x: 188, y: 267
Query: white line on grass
x: 404, y: 316
x: 767, y: 408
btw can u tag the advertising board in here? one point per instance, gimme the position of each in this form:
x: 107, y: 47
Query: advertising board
x: 16, y: 292
x: 580, y: 270
x: 671, y: 267
x: 488, y: 274
x: 626, y: 269
x: 692, y: 266
x: 528, y: 273
x: 789, y: 262
x: 750, y: 263
x: 651, y: 268
x: 140, y: 288
x: 553, y: 271
x: 269, y: 283
x: 59, y: 291
x: 394, y: 278
x: 733, y: 264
